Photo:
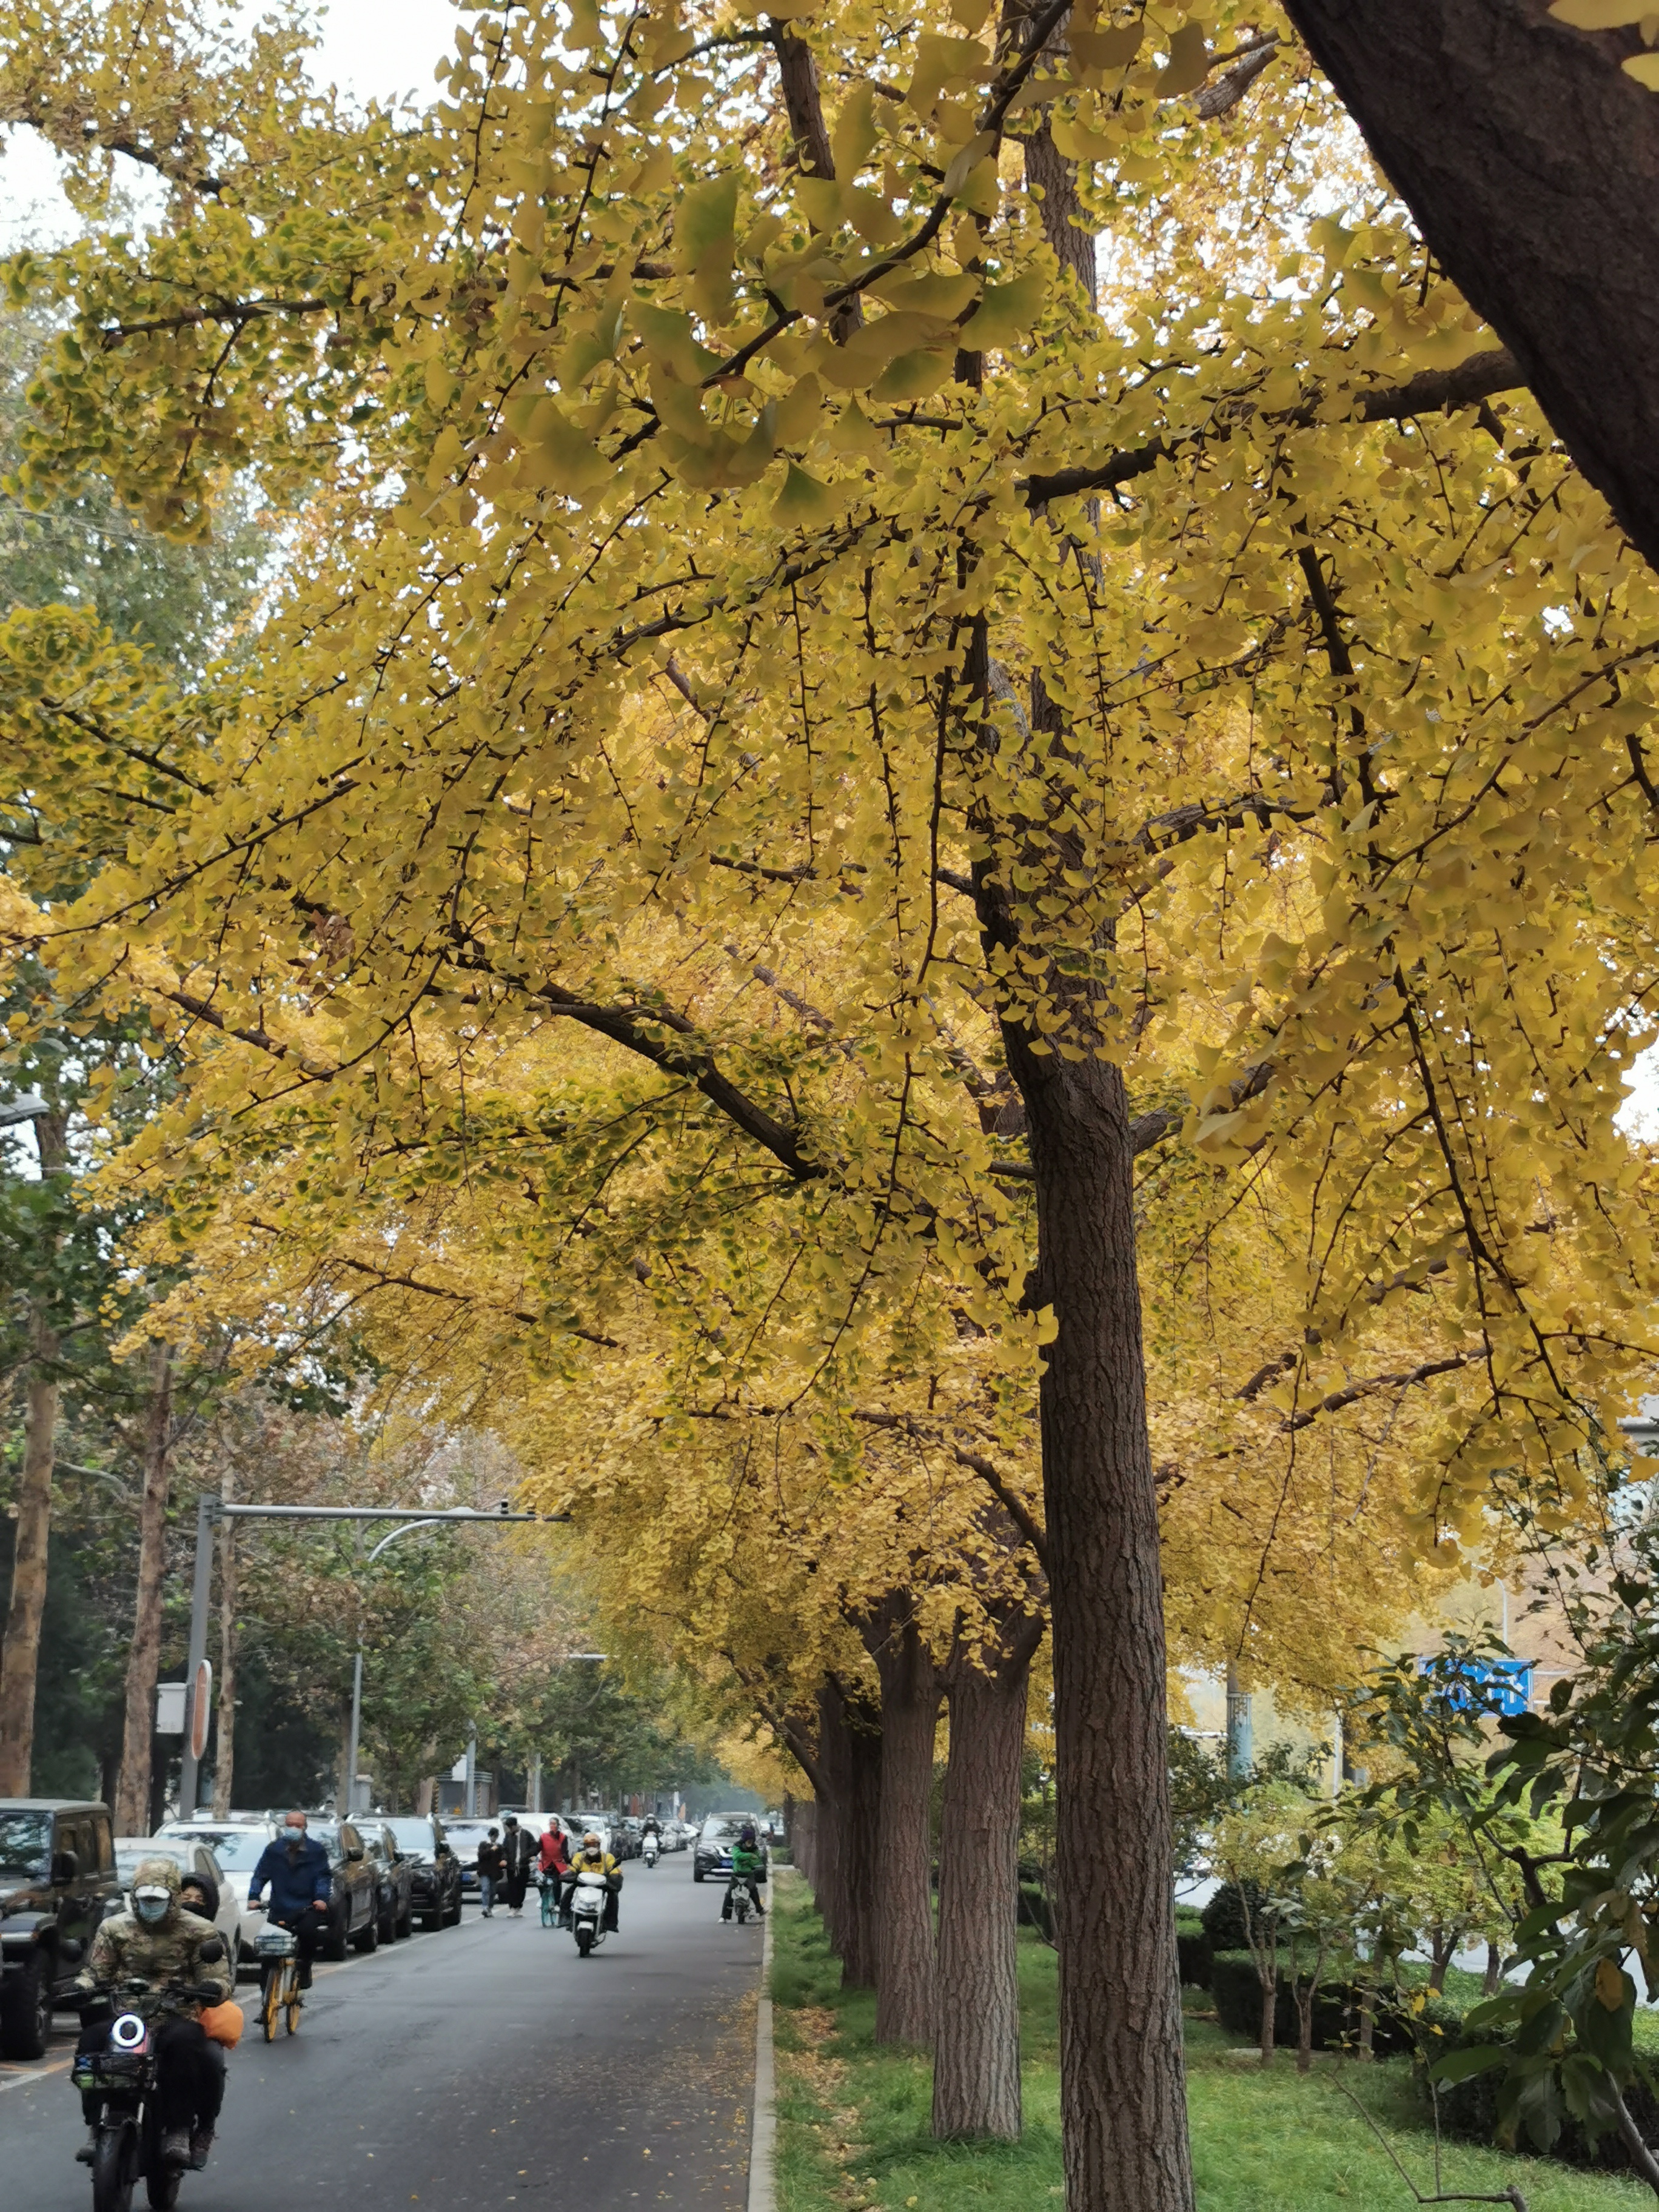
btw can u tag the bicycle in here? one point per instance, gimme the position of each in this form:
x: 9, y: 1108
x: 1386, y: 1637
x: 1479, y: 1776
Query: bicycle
x: 278, y: 1952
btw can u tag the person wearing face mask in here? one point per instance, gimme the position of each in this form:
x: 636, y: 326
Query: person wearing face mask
x: 301, y: 1887
x: 157, y: 1942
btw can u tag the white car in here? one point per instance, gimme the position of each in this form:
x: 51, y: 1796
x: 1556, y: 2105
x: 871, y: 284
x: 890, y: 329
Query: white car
x: 237, y: 1844
x: 190, y: 1856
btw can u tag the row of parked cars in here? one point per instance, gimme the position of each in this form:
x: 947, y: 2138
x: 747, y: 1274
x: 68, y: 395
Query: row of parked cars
x: 63, y: 1871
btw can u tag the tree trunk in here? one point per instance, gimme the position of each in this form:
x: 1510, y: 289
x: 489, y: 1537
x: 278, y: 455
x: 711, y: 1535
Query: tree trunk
x: 1123, y: 2086
x: 1494, y: 1975
x: 424, y: 1796
x: 903, y: 1910
x: 1531, y: 163
x: 1269, y: 2014
x: 144, y: 1658
x: 976, y: 2050
x: 848, y: 1834
x: 20, y: 1650
x: 1440, y: 1957
x: 1367, y: 2021
x: 224, y: 1749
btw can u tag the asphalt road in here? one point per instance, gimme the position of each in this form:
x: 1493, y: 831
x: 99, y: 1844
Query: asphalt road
x: 485, y: 2065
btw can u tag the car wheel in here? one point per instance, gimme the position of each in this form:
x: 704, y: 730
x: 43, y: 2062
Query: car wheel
x: 696, y: 1873
x: 406, y: 1925
x: 25, y: 2011
x: 367, y: 1937
x: 433, y: 1921
x: 455, y: 1913
x: 333, y: 1945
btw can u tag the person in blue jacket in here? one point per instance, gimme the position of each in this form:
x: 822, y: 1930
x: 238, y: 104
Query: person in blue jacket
x: 301, y: 1887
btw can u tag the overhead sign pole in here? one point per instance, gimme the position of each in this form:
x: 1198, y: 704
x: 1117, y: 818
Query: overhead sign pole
x: 209, y: 1510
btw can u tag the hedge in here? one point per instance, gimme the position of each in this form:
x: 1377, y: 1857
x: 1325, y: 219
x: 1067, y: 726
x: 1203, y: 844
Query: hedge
x: 1193, y: 1944
x: 1237, y: 1990
x: 1470, y: 2108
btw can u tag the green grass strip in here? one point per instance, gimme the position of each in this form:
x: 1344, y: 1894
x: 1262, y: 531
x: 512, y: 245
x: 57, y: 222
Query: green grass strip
x: 853, y: 2119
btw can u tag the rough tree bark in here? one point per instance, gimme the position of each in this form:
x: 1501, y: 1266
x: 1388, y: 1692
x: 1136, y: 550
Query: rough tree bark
x: 224, y: 1746
x: 903, y: 1910
x: 1531, y: 163
x: 849, y: 1829
x: 20, y: 1651
x: 144, y: 1656
x: 976, y: 2049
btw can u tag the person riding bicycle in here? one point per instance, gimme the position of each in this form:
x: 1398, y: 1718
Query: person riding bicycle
x: 158, y: 1941
x: 553, y: 1866
x: 593, y: 1859
x: 301, y: 1887
x: 748, y: 1864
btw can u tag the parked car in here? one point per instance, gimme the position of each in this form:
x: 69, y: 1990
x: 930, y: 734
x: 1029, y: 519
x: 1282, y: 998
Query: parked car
x: 237, y: 1842
x: 57, y: 1881
x: 435, y: 1871
x: 354, y: 1912
x: 464, y: 1838
x: 394, y: 1878
x: 190, y: 1857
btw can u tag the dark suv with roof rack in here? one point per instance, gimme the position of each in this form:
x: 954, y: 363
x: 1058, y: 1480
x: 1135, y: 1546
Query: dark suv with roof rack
x: 57, y: 1881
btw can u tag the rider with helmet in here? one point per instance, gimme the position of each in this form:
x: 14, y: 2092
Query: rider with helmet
x: 158, y: 1941
x: 593, y: 1859
x: 748, y: 1864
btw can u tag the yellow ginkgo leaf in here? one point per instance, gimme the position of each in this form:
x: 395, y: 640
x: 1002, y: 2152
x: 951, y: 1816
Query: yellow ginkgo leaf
x: 803, y: 501
x: 1600, y: 15
x: 1006, y: 312
x: 913, y: 375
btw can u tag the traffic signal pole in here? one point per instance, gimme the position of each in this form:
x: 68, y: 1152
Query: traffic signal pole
x: 210, y: 1511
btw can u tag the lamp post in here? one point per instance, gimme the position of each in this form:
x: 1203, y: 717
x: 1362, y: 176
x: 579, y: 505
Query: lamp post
x: 210, y: 1508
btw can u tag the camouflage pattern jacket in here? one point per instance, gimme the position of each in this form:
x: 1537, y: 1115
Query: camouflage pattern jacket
x: 124, y: 1949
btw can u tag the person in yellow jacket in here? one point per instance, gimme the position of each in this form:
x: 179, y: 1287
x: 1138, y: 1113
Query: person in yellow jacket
x: 593, y: 1859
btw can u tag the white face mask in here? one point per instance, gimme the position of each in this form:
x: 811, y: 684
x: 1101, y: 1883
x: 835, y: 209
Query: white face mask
x: 151, y: 1910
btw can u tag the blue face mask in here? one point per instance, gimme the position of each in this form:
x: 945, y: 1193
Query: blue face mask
x: 151, y: 1910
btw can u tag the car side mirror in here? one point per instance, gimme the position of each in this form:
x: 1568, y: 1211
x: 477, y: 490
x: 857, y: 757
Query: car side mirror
x: 65, y: 1866
x: 355, y: 1852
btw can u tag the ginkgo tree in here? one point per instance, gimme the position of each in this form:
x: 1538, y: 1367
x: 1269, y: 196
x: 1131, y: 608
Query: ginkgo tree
x: 744, y: 569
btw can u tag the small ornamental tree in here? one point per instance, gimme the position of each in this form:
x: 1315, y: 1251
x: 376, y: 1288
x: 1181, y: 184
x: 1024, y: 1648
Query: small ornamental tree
x: 1258, y: 1849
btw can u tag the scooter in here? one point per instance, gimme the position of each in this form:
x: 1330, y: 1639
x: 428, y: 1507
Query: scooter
x: 737, y: 1897
x: 122, y: 2075
x: 587, y: 1903
x: 649, y: 1851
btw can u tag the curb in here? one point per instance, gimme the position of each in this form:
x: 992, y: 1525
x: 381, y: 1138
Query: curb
x: 763, y: 2131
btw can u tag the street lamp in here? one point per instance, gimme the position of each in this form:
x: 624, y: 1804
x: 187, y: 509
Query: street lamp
x: 408, y: 1528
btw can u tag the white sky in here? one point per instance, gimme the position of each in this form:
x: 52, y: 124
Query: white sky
x: 375, y: 49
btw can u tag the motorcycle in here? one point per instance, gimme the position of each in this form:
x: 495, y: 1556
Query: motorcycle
x: 123, y: 2076
x: 649, y: 1851
x: 588, y: 1903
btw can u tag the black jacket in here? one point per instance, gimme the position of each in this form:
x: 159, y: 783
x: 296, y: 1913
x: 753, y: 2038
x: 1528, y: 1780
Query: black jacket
x: 492, y: 1861
x: 520, y: 1848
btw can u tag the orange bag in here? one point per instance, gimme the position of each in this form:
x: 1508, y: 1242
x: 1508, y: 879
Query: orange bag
x: 223, y: 2023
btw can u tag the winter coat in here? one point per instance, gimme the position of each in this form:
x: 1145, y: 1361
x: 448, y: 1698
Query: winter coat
x: 554, y: 1856
x: 127, y: 1949
x: 747, y: 1859
x: 492, y: 1862
x: 520, y: 1847
x: 297, y: 1882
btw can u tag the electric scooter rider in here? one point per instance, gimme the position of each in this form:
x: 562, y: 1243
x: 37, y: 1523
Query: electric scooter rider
x: 157, y: 1943
x: 593, y: 1859
x: 301, y: 1887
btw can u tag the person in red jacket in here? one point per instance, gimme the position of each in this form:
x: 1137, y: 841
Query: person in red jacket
x: 552, y: 1865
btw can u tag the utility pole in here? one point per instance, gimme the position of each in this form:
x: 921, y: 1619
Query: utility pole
x: 472, y: 1776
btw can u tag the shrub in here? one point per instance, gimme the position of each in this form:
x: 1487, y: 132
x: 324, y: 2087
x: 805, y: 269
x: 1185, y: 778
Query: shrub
x: 1036, y: 1911
x: 1238, y: 1993
x: 1470, y: 2108
x: 1223, y: 1917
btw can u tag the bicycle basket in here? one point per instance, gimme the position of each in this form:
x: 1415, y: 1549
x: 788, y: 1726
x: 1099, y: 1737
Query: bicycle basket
x: 276, y: 1944
x: 94, y: 2066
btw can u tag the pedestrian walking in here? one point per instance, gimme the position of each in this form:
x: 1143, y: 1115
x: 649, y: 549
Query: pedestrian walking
x: 492, y: 1871
x: 518, y: 1851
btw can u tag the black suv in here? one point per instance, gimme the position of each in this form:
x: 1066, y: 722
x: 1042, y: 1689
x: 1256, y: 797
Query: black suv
x: 354, y: 1912
x: 57, y: 1881
x: 394, y: 1878
x: 436, y: 1886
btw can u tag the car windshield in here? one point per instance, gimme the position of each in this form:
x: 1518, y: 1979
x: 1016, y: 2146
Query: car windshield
x: 25, y: 1847
x: 323, y: 1832
x: 237, y: 1850
x: 469, y: 1833
x: 412, y: 1835
x: 128, y: 1852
